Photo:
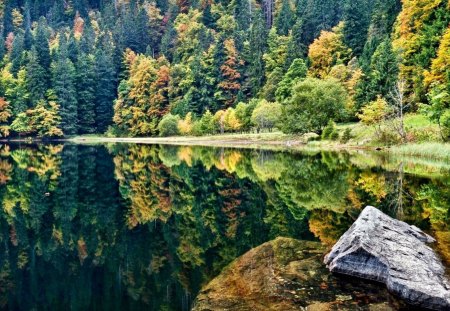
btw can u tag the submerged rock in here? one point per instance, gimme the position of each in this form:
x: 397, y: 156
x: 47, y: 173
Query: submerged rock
x: 287, y: 274
x: 380, y: 248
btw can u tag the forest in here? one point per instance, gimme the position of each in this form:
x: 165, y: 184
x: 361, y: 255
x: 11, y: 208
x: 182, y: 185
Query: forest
x: 197, y: 67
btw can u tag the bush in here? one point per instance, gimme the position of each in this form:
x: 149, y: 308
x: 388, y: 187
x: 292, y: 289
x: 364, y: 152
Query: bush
x: 185, y: 125
x: 314, y: 102
x: 346, y: 136
x: 168, y: 126
x: 266, y: 115
x: 330, y: 131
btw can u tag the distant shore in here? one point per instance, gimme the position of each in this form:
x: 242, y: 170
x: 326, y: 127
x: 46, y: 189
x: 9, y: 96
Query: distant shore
x: 275, y: 141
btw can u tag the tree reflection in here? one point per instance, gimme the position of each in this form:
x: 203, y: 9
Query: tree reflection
x: 139, y: 226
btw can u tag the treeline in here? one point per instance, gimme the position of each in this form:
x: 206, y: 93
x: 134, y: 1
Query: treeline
x: 136, y: 67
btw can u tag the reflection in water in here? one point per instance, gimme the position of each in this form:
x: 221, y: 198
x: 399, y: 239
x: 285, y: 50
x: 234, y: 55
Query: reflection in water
x: 146, y: 227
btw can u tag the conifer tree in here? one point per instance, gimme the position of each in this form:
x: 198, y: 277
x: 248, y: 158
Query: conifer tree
x: 105, y: 88
x: 41, y: 44
x: 36, y: 77
x: 63, y: 84
x: 257, y: 48
x: 85, y: 85
x: 285, y: 18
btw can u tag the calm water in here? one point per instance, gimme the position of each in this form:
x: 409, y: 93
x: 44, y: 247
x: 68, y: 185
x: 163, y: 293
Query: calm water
x: 143, y: 227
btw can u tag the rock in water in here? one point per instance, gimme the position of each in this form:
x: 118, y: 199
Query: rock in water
x: 380, y: 248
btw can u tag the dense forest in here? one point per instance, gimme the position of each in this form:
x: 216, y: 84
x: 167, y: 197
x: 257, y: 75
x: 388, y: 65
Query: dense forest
x: 144, y: 68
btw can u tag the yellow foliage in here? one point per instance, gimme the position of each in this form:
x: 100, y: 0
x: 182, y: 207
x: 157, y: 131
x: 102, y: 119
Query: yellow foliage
x: 17, y: 18
x: 327, y: 51
x: 374, y: 184
x: 185, y: 154
x: 441, y: 63
x: 375, y: 112
x: 231, y: 121
x: 185, y: 125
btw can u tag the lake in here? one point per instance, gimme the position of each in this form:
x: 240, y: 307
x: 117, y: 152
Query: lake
x: 142, y: 227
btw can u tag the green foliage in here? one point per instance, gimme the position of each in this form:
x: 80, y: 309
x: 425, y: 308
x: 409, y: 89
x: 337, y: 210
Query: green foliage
x: 266, y: 115
x: 346, y: 136
x: 313, y: 104
x: 330, y: 131
x: 129, y: 63
x: 439, y: 110
x: 168, y: 126
x: 45, y: 120
x: 382, y: 74
x: 295, y: 73
x: 21, y: 124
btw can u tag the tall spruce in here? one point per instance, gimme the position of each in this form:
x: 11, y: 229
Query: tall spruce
x: 105, y: 88
x: 36, y: 78
x: 63, y: 84
x: 85, y: 85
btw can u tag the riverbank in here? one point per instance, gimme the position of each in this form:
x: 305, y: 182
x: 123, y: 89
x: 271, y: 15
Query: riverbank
x: 278, y: 141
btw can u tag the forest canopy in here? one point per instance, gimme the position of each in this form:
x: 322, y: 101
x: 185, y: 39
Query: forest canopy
x: 89, y: 66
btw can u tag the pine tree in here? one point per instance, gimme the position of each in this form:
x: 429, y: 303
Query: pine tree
x: 243, y: 14
x: 36, y: 77
x: 85, y: 85
x: 105, y: 88
x: 285, y: 18
x: 256, y: 49
x: 382, y: 75
x: 17, y: 53
x: 356, y: 23
x: 41, y: 44
x: 63, y: 84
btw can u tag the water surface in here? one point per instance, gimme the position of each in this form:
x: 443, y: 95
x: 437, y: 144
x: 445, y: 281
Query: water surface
x: 141, y: 227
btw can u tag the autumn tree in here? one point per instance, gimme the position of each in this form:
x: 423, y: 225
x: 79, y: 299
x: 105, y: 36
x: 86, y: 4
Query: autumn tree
x: 229, y: 81
x: 45, y: 119
x: 144, y: 100
x: 326, y: 51
x: 5, y: 115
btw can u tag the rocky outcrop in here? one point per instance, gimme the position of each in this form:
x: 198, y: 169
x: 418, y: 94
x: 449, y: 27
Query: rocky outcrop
x: 380, y: 248
x: 287, y: 274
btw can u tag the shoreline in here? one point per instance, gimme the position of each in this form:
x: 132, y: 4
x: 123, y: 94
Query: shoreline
x: 265, y: 141
x: 249, y: 141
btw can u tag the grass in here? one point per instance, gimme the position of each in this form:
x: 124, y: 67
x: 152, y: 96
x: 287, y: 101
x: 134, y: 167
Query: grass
x: 426, y: 150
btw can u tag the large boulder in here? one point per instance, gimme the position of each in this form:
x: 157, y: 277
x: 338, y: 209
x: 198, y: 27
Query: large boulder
x: 380, y: 248
x: 288, y: 275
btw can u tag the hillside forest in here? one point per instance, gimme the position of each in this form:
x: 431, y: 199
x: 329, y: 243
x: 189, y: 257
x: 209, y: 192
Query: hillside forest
x: 197, y: 67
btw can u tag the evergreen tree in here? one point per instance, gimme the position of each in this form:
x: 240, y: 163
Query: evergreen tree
x: 105, y: 88
x: 382, y: 75
x: 63, y: 84
x: 243, y: 14
x: 17, y: 53
x: 285, y: 18
x: 36, y: 77
x: 85, y: 85
x: 256, y: 49
x: 356, y: 23
x: 41, y: 44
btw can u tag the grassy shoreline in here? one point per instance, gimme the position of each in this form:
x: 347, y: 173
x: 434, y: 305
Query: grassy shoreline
x: 277, y: 141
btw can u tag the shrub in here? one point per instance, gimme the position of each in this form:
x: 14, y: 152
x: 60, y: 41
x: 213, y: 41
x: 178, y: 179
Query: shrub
x: 330, y: 131
x: 314, y: 102
x: 185, y: 125
x: 374, y: 114
x: 266, y: 115
x: 168, y: 126
x: 346, y: 136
